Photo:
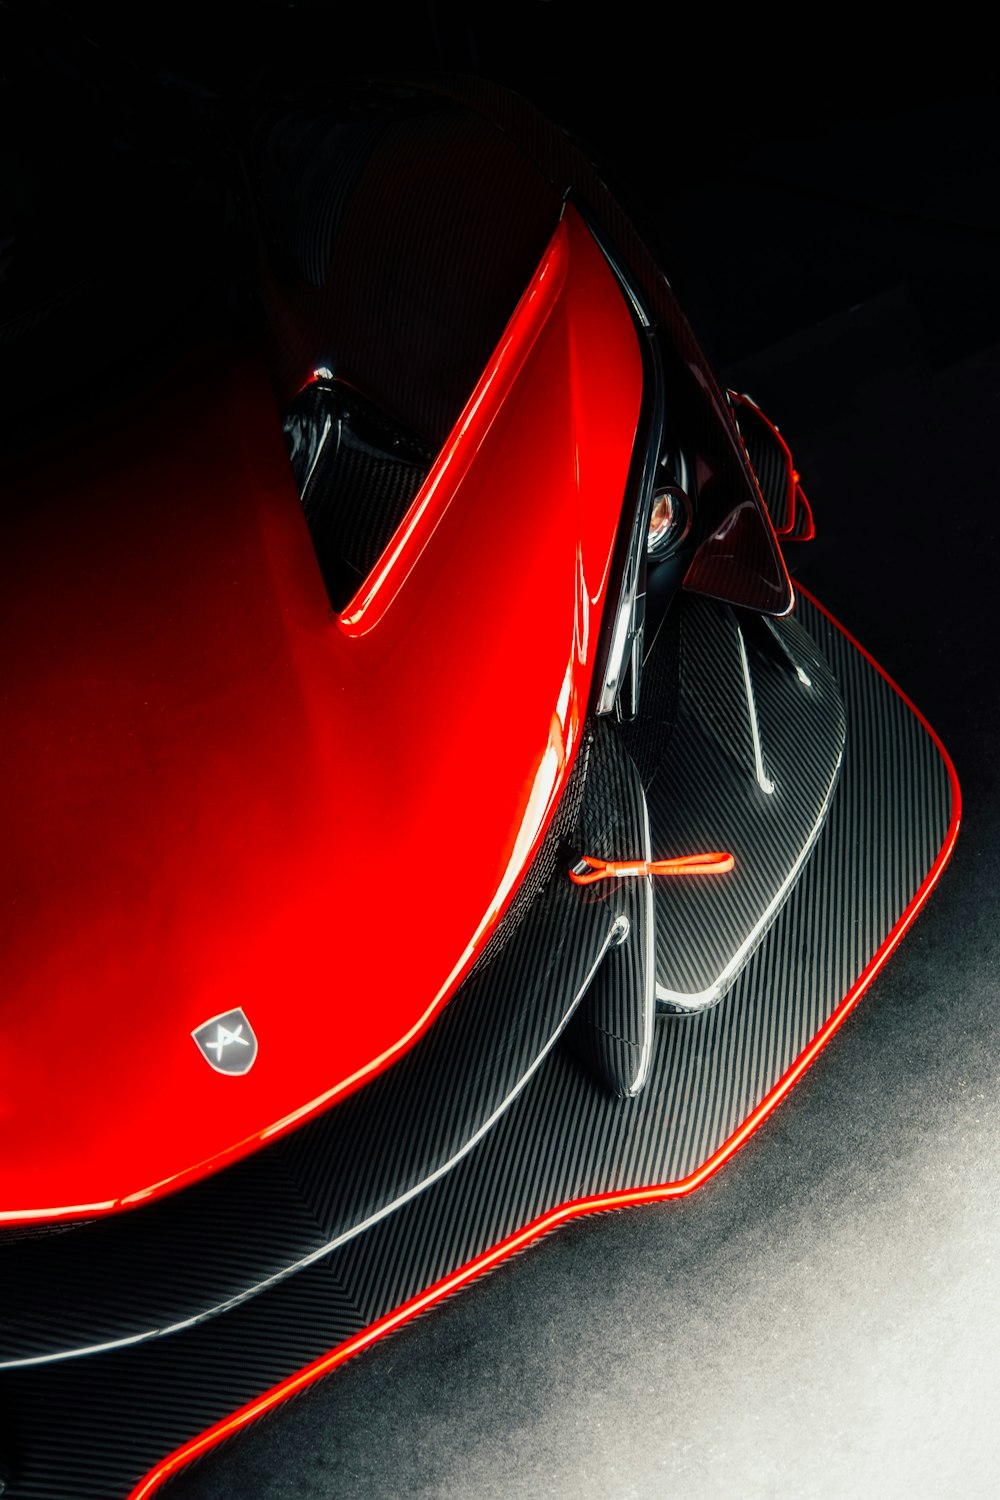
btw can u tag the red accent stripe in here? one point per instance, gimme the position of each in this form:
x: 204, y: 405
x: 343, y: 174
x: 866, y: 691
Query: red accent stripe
x: 715, y: 863
x: 622, y: 1199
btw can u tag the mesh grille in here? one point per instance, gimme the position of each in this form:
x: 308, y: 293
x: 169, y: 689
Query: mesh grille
x: 647, y: 735
x: 544, y: 864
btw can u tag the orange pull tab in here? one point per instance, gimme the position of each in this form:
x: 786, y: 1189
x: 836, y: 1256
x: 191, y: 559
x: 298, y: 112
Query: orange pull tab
x: 587, y: 869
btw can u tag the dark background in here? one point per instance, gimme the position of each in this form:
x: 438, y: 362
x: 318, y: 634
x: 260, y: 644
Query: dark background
x: 822, y: 1318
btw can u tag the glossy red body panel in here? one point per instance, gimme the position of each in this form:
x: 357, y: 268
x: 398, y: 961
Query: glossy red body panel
x: 627, y: 1197
x: 220, y: 797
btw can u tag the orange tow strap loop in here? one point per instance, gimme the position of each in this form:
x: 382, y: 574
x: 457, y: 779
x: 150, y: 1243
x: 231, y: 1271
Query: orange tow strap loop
x: 716, y: 863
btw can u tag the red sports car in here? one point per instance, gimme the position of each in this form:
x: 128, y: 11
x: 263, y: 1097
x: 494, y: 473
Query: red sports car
x: 431, y: 810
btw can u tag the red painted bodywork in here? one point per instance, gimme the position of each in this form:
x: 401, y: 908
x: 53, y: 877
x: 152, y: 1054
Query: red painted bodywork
x: 562, y: 1213
x: 220, y: 795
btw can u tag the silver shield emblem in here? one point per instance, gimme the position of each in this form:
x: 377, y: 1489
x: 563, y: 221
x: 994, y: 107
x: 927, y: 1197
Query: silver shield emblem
x: 227, y: 1042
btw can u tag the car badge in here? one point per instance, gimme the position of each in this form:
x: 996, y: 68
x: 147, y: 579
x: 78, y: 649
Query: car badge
x: 227, y: 1042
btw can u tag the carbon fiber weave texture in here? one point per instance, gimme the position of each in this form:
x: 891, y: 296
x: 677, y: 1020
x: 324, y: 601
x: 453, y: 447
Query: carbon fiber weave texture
x: 89, y: 1429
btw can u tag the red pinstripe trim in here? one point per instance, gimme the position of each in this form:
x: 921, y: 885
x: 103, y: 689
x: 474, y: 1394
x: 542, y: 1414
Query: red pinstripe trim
x: 622, y: 1199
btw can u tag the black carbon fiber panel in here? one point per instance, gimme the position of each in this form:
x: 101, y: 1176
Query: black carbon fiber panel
x: 152, y: 1268
x: 413, y: 1121
x: 88, y: 1430
x: 308, y: 169
x: 647, y: 736
x: 714, y: 789
x: 612, y: 1030
x: 770, y: 461
x: 357, y: 474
